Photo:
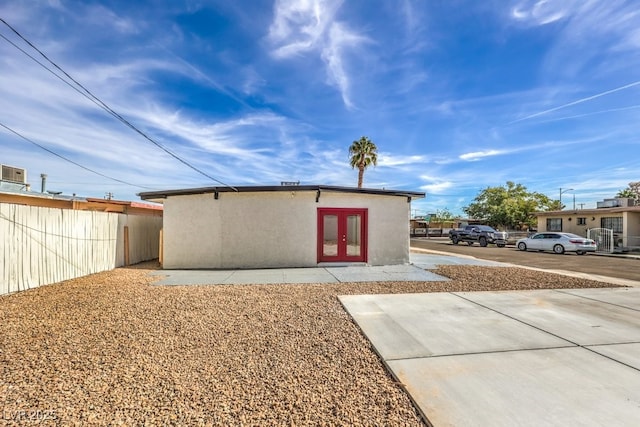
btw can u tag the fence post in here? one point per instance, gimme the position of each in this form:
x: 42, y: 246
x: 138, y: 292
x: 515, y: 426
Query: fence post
x: 126, y: 245
x: 160, y: 249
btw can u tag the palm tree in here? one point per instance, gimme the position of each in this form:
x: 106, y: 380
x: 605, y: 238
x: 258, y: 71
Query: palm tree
x: 363, y: 153
x: 631, y: 192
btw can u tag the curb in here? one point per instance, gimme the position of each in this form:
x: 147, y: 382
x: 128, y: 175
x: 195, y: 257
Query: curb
x: 625, y: 256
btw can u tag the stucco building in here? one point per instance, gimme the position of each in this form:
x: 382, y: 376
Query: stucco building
x: 283, y: 226
x: 621, y: 216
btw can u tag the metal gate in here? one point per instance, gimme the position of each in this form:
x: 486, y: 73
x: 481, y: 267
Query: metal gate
x: 603, y: 238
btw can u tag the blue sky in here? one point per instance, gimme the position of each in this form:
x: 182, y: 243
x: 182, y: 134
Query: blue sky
x: 458, y: 95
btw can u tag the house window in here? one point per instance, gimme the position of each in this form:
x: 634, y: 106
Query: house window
x: 554, y: 224
x: 582, y: 221
x: 612, y: 223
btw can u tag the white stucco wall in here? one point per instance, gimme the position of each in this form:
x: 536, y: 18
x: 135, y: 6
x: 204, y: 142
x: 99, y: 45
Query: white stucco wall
x: 273, y: 229
x: 388, y: 228
x: 632, y: 229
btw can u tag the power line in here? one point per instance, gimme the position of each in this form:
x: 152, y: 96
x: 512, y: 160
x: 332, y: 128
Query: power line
x: 50, y: 70
x: 69, y: 160
x: 87, y: 93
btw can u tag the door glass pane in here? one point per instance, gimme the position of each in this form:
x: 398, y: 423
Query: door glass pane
x: 353, y: 235
x: 330, y: 237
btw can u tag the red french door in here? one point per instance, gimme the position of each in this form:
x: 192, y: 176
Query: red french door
x: 342, y: 235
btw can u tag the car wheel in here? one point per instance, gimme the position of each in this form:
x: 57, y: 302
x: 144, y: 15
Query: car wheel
x: 522, y: 246
x: 580, y: 252
x: 470, y: 243
x: 454, y: 240
x: 500, y: 245
x: 559, y: 249
x: 483, y: 241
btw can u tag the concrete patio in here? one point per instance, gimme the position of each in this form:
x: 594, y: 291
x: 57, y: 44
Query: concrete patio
x: 323, y: 274
x: 525, y: 358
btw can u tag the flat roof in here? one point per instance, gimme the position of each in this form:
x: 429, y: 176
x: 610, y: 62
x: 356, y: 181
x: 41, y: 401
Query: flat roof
x: 133, y: 204
x: 590, y: 211
x: 163, y: 194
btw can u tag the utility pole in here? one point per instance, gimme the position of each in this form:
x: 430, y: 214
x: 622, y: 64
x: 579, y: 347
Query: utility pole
x: 564, y: 191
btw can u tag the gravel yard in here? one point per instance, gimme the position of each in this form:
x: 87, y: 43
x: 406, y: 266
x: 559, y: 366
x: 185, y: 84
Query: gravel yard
x: 110, y: 349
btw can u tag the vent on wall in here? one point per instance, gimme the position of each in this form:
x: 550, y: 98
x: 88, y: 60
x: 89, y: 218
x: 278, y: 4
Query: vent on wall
x: 12, y: 174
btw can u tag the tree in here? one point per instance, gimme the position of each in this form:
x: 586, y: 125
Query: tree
x: 510, y: 206
x: 363, y: 153
x: 442, y: 215
x: 631, y: 192
x: 554, y: 205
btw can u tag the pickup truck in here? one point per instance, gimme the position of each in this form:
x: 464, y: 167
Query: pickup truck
x: 483, y: 234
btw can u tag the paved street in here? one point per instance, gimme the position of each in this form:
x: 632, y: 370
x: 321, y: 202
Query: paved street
x: 592, y: 264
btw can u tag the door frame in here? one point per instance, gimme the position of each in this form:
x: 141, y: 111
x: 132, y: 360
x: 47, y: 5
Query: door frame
x: 342, y: 214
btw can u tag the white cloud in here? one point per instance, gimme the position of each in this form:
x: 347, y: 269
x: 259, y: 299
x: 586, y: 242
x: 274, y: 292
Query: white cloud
x: 477, y: 155
x: 435, y: 185
x: 589, y: 35
x: 410, y: 15
x: 229, y: 138
x: 390, y: 160
x: 340, y: 39
x: 633, y: 39
x: 436, y: 188
x: 100, y: 16
x: 542, y: 12
x: 300, y: 27
x: 579, y: 101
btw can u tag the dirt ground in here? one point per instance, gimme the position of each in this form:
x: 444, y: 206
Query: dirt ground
x: 111, y: 349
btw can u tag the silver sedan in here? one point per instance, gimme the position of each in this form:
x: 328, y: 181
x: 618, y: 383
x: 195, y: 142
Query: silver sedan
x: 557, y: 242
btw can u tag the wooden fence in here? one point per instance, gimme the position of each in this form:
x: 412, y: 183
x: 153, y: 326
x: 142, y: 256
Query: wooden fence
x: 40, y: 246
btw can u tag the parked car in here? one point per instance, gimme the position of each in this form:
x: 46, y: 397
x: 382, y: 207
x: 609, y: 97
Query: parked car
x: 483, y: 234
x: 557, y: 242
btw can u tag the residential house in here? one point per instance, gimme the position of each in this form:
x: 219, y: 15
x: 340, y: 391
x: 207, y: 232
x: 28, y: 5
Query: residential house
x: 620, y: 215
x: 283, y: 226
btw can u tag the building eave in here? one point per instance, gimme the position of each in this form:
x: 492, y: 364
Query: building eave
x: 159, y: 196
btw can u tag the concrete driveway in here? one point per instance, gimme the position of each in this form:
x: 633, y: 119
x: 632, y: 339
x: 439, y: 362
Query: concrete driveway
x: 514, y: 358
